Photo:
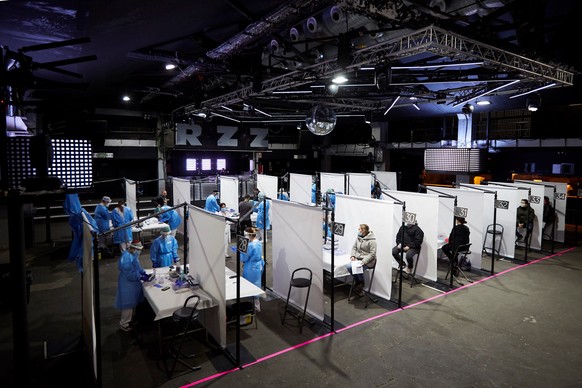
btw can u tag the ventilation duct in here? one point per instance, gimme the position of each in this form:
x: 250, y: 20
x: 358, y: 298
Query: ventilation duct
x: 312, y: 26
x: 332, y: 18
x: 467, y: 7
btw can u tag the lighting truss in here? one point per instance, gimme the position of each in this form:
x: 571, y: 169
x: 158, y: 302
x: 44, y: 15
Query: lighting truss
x: 429, y: 39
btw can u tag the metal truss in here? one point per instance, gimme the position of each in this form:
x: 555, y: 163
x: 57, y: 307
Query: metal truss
x: 429, y: 39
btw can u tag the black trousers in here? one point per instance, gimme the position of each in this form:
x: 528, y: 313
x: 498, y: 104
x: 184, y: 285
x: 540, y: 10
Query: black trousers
x: 408, y: 256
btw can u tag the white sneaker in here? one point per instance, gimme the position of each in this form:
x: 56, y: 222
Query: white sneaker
x: 408, y: 270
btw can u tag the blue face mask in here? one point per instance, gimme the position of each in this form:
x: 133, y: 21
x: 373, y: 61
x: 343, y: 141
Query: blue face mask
x: 360, y: 234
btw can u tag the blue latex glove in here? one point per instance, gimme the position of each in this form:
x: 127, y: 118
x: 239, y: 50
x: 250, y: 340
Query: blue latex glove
x: 146, y: 277
x: 176, y: 260
x: 233, y: 249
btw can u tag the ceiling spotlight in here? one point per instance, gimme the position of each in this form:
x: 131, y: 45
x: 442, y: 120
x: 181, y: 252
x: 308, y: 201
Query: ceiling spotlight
x: 416, y: 106
x: 483, y: 102
x: 468, y: 109
x: 126, y: 98
x: 339, y: 78
x: 170, y: 66
x: 332, y: 88
x: 532, y: 106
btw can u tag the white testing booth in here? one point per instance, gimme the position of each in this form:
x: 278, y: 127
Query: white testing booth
x: 473, y: 202
x: 426, y: 207
x: 535, y: 196
x: 505, y: 210
x: 182, y: 192
x: 268, y: 184
x: 229, y: 192
x: 328, y: 180
x: 296, y: 244
x: 560, y: 208
x: 300, y: 188
x: 383, y: 218
x: 359, y: 185
x: 131, y: 196
x: 387, y: 179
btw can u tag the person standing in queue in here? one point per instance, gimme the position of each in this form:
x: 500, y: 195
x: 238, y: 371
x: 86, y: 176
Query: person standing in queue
x: 164, y: 249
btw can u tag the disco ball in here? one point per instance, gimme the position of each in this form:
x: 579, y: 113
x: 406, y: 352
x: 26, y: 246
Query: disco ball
x: 320, y: 120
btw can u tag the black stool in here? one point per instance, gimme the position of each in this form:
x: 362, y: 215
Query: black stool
x: 488, y: 250
x: 298, y: 283
x: 366, y: 293
x: 454, y: 269
x: 185, y: 317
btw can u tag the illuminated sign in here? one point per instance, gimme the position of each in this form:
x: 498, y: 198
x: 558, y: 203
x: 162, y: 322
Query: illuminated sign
x: 226, y: 137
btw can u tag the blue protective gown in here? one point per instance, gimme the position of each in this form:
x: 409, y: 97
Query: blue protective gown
x: 253, y: 263
x: 129, y: 289
x: 260, y: 214
x: 283, y: 197
x: 313, y: 193
x: 211, y: 204
x: 172, y: 218
x: 102, y: 217
x: 120, y: 219
x: 164, y: 251
x: 73, y: 208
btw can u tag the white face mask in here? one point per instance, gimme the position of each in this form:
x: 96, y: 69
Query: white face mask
x: 523, y: 204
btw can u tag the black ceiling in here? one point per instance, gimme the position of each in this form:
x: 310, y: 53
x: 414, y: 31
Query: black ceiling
x: 241, y: 59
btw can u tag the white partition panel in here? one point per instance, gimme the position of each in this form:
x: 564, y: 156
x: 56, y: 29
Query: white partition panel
x: 300, y: 188
x: 387, y: 179
x: 88, y: 323
x: 333, y: 181
x: 296, y: 244
x: 131, y: 196
x: 473, y: 201
x: 268, y: 184
x: 182, y: 192
x: 229, y: 192
x: 360, y: 185
x: 379, y: 216
x: 206, y: 259
x: 560, y: 208
x: 426, y: 208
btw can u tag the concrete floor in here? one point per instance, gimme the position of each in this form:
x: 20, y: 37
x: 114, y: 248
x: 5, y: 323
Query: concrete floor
x: 520, y: 328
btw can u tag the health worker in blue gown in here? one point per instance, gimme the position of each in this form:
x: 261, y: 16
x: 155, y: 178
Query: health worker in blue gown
x: 253, y: 263
x: 120, y: 216
x: 164, y: 249
x: 172, y: 218
x: 129, y: 288
x: 263, y: 218
x: 102, y: 217
x: 211, y: 204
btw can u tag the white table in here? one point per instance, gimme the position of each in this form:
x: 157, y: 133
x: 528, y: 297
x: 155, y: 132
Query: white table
x: 341, y: 258
x: 247, y: 289
x: 164, y: 303
x: 151, y: 226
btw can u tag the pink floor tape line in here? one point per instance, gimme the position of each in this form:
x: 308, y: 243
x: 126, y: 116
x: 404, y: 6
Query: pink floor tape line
x: 302, y: 344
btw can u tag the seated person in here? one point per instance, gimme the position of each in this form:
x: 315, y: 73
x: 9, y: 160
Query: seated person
x: 408, y: 240
x: 459, y: 236
x: 548, y: 217
x: 364, y: 250
x: 525, y: 216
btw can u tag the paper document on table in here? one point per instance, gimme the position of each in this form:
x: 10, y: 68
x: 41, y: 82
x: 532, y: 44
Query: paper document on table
x: 357, y: 267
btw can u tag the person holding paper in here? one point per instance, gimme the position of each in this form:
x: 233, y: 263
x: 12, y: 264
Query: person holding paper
x: 408, y: 239
x: 253, y: 263
x: 363, y: 255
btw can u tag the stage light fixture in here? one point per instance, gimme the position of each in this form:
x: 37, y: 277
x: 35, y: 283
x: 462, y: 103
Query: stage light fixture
x: 468, y: 109
x: 339, y: 78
